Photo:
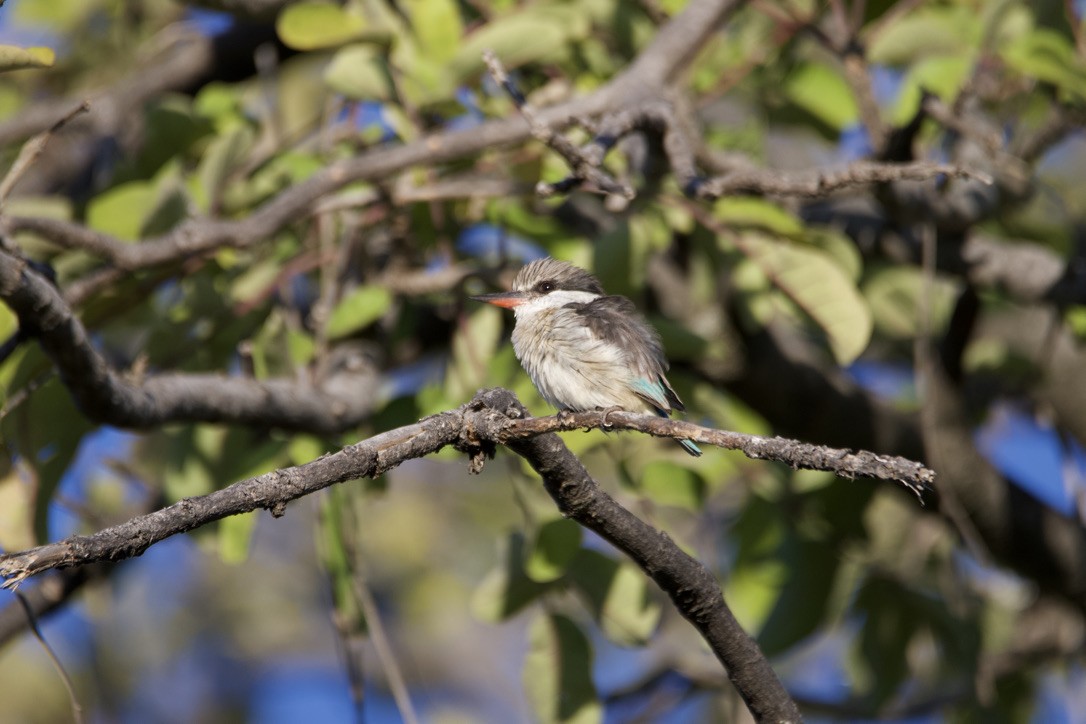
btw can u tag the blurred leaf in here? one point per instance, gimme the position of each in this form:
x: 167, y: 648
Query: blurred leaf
x: 305, y: 448
x: 824, y: 93
x: 618, y: 594
x: 47, y: 447
x: 15, y: 58
x: 169, y: 206
x: 437, y: 27
x: 531, y: 35
x: 224, y: 154
x: 942, y: 75
x: 506, y: 589
x: 932, y: 30
x: 894, y: 294
x: 757, y: 575
x: 558, y: 672
x: 1048, y: 56
x: 810, y: 568
x: 64, y: 15
x: 680, y: 342
x: 667, y: 483
x: 745, y: 212
x: 840, y: 248
x: 315, y: 25
x: 254, y: 281
x: 171, y: 127
x: 220, y: 103
x: 120, y: 211
x: 894, y: 616
x: 473, y: 345
x: 16, y: 507
x: 818, y: 286
x: 360, y: 72
x: 235, y: 535
x: 556, y: 544
x: 9, y: 323
x: 359, y: 309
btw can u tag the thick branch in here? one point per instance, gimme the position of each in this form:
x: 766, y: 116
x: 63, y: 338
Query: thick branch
x: 473, y: 428
x: 105, y: 395
x: 692, y: 587
x: 271, y: 491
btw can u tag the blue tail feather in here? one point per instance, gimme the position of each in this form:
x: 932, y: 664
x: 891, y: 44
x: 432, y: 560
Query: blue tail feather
x: 688, y: 445
x: 691, y: 448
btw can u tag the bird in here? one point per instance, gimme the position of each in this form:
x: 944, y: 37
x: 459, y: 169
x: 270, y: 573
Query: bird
x: 583, y: 348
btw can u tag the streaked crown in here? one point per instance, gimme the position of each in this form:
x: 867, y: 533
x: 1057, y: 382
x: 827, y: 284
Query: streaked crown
x: 547, y: 275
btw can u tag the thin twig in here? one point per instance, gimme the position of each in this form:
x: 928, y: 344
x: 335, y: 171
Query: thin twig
x: 32, y: 623
x: 396, y: 683
x: 916, y: 478
x: 813, y: 184
x: 586, y: 171
x: 33, y: 148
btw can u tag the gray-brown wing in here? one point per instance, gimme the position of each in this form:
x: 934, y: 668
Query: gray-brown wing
x: 616, y: 321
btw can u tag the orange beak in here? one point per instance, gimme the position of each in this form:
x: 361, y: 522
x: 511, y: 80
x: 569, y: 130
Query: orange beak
x: 506, y: 300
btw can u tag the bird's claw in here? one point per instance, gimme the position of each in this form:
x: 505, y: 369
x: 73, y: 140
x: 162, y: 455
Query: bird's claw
x: 603, y: 421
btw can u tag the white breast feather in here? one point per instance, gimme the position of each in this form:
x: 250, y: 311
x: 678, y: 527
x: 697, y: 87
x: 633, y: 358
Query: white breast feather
x: 570, y: 367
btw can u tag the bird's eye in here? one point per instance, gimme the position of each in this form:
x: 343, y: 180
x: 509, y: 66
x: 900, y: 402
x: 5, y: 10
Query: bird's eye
x: 545, y: 287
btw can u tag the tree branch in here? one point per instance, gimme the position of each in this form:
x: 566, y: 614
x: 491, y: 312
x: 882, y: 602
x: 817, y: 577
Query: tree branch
x: 845, y: 463
x: 107, y: 396
x: 690, y: 585
x: 271, y: 491
x: 668, y: 54
x: 657, y: 116
x: 473, y: 428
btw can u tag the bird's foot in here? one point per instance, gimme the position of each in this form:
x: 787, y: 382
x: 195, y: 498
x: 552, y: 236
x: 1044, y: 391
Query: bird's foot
x: 613, y: 408
x: 565, y: 417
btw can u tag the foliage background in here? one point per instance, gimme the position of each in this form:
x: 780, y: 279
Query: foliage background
x: 867, y: 606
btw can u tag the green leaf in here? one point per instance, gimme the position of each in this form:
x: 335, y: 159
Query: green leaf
x: 840, y: 248
x: 894, y: 617
x: 822, y: 92
x: 314, y: 25
x: 360, y: 72
x: 558, y: 673
x: 46, y: 446
x: 940, y: 30
x: 224, y: 154
x: 506, y: 589
x: 235, y: 535
x: 1048, y: 56
x: 619, y: 597
x: 530, y: 36
x: 556, y: 544
x: 13, y: 57
x: 754, y: 583
x: 746, y: 212
x: 894, y: 295
x: 667, y: 483
x: 305, y: 448
x: 120, y: 211
x: 437, y: 27
x: 942, y: 75
x: 801, y: 602
x: 358, y: 310
x: 817, y: 286
x: 255, y: 280
x: 473, y: 345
